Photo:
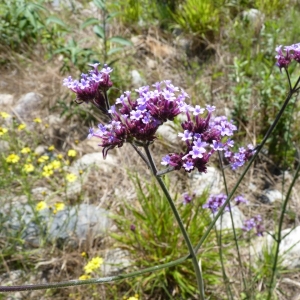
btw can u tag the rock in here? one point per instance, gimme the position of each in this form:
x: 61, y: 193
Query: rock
x: 70, y: 226
x: 40, y: 150
x: 94, y: 159
x: 211, y: 180
x: 168, y: 133
x: 289, y: 252
x: 136, y: 79
x: 238, y: 218
x: 4, y: 146
x: 28, y: 105
x: 115, y: 261
x: 270, y: 196
x: 6, y: 100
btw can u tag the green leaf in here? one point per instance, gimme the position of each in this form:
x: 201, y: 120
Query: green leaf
x: 120, y: 40
x: 55, y: 20
x: 99, y: 31
x: 88, y: 22
x: 100, y: 4
x: 114, y: 50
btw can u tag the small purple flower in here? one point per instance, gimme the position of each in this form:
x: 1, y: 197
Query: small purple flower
x: 186, y: 135
x: 132, y: 227
x: 166, y: 160
x: 240, y: 199
x: 214, y: 202
x: 255, y: 222
x: 187, y: 198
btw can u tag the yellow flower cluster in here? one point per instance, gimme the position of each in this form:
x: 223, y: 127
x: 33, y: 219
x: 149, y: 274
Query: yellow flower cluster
x: 135, y: 297
x: 71, y: 177
x: 12, y: 158
x: 3, y: 130
x: 94, y: 264
x: 41, y: 205
x: 72, y: 153
x: 4, y: 115
x: 21, y: 127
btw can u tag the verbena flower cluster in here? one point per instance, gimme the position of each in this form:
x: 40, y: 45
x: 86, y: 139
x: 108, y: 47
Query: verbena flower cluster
x: 255, y: 222
x: 286, y: 54
x: 214, y: 203
x: 92, y: 87
x: 136, y: 120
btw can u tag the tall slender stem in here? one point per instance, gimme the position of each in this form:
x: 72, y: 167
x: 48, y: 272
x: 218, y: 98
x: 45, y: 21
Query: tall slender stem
x: 279, y: 237
x: 179, y: 222
x: 232, y: 223
x: 258, y: 149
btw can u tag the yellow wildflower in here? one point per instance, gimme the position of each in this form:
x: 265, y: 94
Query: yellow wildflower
x: 43, y: 158
x: 133, y: 298
x: 83, y: 254
x: 28, y: 168
x: 25, y: 150
x: 51, y: 148
x: 56, y: 164
x: 21, y: 127
x: 3, y: 130
x: 72, y: 153
x: 60, y: 156
x: 4, y: 115
x: 59, y: 206
x: 71, y: 177
x: 93, y: 264
x: 47, y: 170
x: 12, y: 158
x: 41, y: 205
x: 37, y: 120
x: 84, y: 277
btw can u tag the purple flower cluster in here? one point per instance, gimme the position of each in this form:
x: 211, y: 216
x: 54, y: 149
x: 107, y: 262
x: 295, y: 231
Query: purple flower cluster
x: 238, y: 159
x: 91, y: 87
x: 214, y: 202
x: 255, y: 222
x: 203, y: 136
x: 187, y: 198
x: 291, y: 53
x: 137, y: 120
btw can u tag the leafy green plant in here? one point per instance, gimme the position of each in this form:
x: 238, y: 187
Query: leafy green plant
x: 199, y: 17
x: 148, y: 232
x: 100, y: 28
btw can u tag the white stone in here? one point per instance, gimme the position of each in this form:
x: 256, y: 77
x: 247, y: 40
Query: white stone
x: 136, y: 79
x: 27, y: 105
x: 238, y: 219
x: 211, y: 180
x: 6, y: 101
x: 168, y: 133
x: 115, y: 261
x: 39, y: 150
x: 289, y: 251
x: 94, y: 159
x: 273, y: 195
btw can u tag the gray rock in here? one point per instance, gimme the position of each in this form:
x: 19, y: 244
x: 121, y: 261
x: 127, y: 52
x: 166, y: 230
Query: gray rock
x: 270, y: 196
x: 6, y: 100
x: 115, y: 261
x: 71, y: 226
x: 168, y: 133
x: 238, y: 219
x: 211, y: 180
x: 27, y: 105
x: 136, y: 79
x: 289, y: 252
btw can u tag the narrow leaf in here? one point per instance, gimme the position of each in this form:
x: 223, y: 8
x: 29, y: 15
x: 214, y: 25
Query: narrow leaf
x: 99, y: 31
x: 120, y: 40
x: 55, y: 20
x: 88, y: 22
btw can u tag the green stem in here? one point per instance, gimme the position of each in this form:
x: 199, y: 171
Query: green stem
x: 179, y: 222
x: 232, y: 223
x: 258, y: 149
x: 34, y: 287
x: 279, y: 238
